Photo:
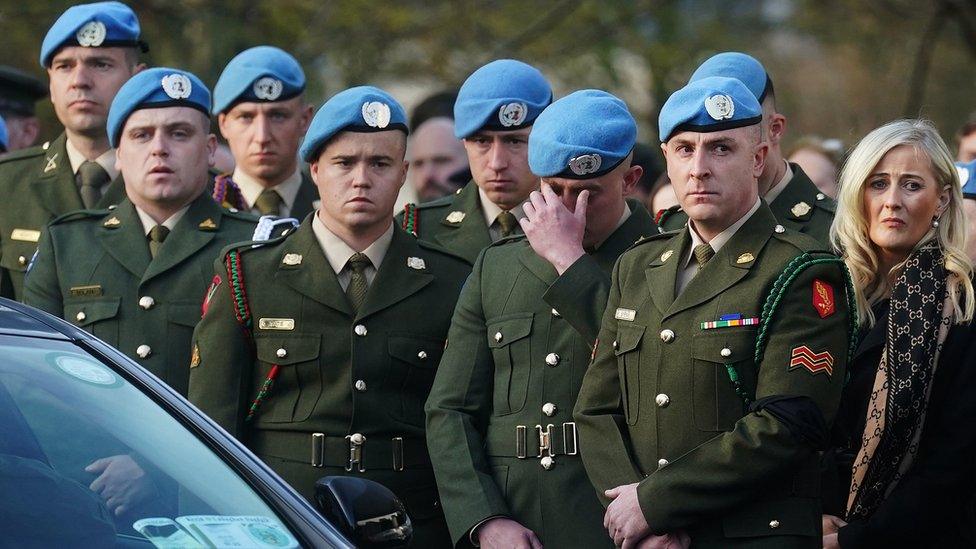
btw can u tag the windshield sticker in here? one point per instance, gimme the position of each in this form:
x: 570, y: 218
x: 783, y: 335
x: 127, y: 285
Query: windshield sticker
x: 166, y: 534
x: 237, y: 531
x: 84, y: 369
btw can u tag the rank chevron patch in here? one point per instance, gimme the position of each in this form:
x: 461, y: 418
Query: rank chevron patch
x: 803, y: 357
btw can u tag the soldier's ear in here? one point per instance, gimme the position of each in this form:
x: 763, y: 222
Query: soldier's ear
x: 211, y: 150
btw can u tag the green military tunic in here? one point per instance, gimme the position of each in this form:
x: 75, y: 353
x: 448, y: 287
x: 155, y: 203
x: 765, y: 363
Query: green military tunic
x: 520, y: 343
x: 38, y: 185
x: 340, y: 374
x: 94, y: 269
x: 800, y: 207
x: 455, y: 222
x: 731, y: 463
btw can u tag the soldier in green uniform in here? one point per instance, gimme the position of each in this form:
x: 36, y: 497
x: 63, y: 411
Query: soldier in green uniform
x: 493, y: 115
x: 499, y: 421
x: 722, y: 352
x: 89, y: 52
x: 135, y: 274
x: 261, y: 111
x: 19, y: 92
x: 794, y: 199
x: 318, y: 349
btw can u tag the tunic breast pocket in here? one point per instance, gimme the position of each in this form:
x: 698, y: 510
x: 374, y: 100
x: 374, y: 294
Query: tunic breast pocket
x: 717, y: 406
x: 628, y: 354
x: 509, y: 341
x: 299, y: 383
x: 98, y: 316
x: 413, y: 363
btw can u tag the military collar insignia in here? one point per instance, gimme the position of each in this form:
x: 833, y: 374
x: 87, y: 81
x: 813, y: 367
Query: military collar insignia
x: 177, y: 86
x: 112, y: 223
x: 512, y: 114
x: 376, y: 114
x: 720, y: 107
x: 45, y: 145
x: 416, y: 263
x: 745, y: 258
x: 586, y: 164
x: 455, y: 217
x: 800, y: 209
x: 51, y: 163
x: 666, y: 255
x: 208, y: 225
x: 267, y: 88
x: 91, y: 34
x: 292, y: 260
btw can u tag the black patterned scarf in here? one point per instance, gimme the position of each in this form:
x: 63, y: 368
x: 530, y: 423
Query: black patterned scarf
x: 918, y: 322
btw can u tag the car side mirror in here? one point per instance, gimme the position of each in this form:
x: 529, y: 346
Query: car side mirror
x: 365, y: 511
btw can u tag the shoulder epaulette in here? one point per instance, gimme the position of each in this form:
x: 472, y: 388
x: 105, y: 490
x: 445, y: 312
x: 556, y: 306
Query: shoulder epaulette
x: 826, y: 203
x: 79, y: 214
x: 252, y: 244
x: 508, y: 240
x: 662, y: 215
x: 437, y: 203
x: 653, y: 237
x: 803, y: 242
x: 29, y: 152
x: 441, y: 250
x: 410, y: 218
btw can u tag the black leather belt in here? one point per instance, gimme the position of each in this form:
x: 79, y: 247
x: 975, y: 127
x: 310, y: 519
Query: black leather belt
x: 353, y: 452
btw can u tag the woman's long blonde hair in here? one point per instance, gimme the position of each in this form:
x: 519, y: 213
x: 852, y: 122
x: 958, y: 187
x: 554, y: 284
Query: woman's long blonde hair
x: 849, y: 232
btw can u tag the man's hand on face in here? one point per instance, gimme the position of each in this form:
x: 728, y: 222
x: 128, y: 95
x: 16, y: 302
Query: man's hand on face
x: 624, y: 519
x: 121, y: 483
x: 505, y: 533
x: 554, y: 232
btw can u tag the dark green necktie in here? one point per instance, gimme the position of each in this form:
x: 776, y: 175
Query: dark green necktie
x: 358, y: 285
x: 507, y: 223
x: 156, y: 237
x: 268, y: 202
x: 703, y: 252
x: 91, y: 178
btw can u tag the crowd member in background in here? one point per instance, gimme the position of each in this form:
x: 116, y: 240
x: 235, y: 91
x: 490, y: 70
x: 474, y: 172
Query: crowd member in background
x: 520, y: 339
x: 261, y: 111
x: 438, y: 162
x: 794, y: 199
x: 19, y: 92
x: 661, y: 196
x: 966, y: 140
x: 820, y: 160
x: 901, y: 466
x: 493, y: 115
x: 350, y: 316
x: 648, y: 158
x: 967, y: 178
x: 89, y: 52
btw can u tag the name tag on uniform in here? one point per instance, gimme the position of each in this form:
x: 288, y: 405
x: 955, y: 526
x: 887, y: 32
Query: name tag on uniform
x: 276, y: 324
x: 625, y: 314
x: 86, y: 291
x: 25, y: 235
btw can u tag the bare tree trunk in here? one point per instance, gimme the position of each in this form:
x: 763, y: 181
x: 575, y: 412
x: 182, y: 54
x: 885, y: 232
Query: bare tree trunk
x: 923, y: 60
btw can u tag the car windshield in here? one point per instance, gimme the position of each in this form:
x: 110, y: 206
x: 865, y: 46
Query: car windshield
x: 88, y: 460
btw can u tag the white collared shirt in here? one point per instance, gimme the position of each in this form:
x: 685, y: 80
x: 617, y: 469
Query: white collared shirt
x: 106, y: 160
x: 688, y: 268
x: 491, y: 211
x: 148, y: 222
x: 337, y: 252
x: 778, y: 188
x: 251, y: 188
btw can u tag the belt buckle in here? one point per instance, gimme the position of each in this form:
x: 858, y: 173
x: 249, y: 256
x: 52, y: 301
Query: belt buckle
x: 545, y: 440
x: 356, y: 442
x: 397, y: 453
x: 520, y: 450
x: 318, y: 449
x: 569, y: 435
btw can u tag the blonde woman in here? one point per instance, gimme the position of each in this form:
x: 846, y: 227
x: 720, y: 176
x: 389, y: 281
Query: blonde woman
x: 901, y: 469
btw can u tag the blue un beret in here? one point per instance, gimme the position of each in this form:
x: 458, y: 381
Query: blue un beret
x: 156, y: 88
x: 359, y: 109
x: 502, y: 95
x: 4, y: 137
x: 102, y: 24
x: 967, y: 178
x: 584, y: 135
x: 708, y: 105
x: 263, y: 73
x: 742, y: 67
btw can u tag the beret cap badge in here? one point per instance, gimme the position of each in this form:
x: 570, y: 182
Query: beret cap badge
x: 268, y: 88
x: 91, y: 34
x: 177, y: 86
x: 376, y: 114
x: 586, y: 164
x: 512, y: 114
x: 720, y: 107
